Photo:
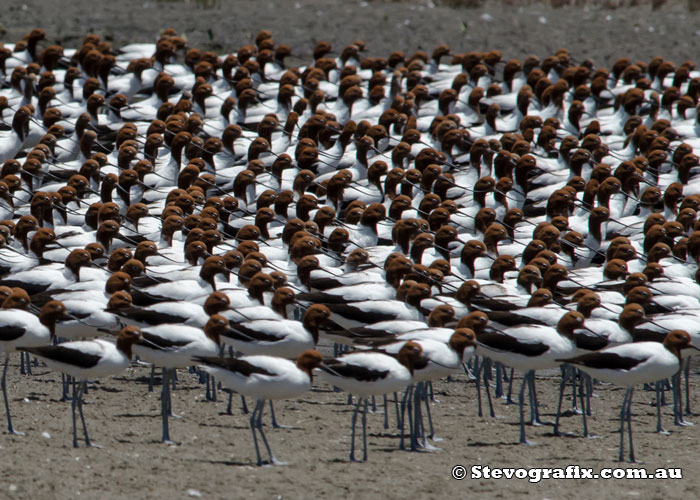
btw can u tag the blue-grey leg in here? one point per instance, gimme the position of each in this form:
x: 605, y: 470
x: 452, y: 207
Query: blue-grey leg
x: 73, y: 405
x: 10, y: 429
x: 623, y: 418
x: 396, y: 408
x: 509, y: 399
x: 487, y: 363
x: 431, y: 432
x: 417, y: 415
x: 677, y: 400
x: 586, y: 410
x: 152, y: 378
x: 521, y: 402
x: 686, y: 370
x: 244, y: 405
x: 629, y: 422
x: 589, y: 392
x: 364, y: 433
x: 229, y: 409
x: 429, y: 387
x: 405, y: 402
x: 386, y: 413
x: 65, y: 385
x: 173, y: 378
x: 487, y: 386
x: 164, y: 406
x: 207, y: 392
x: 477, y: 381
x: 274, y: 419
x: 273, y: 460
x: 81, y: 391
x: 574, y: 399
x: 562, y: 386
x: 253, y: 424
x: 353, y: 422
x: 659, y: 427
x: 535, y: 411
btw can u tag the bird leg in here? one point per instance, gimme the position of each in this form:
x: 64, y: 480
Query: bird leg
x: 253, y: 425
x: 659, y: 427
x: 274, y: 419
x: 259, y: 424
x: 73, y: 405
x: 229, y: 410
x: 534, y: 410
x: 364, y: 433
x: 80, y: 392
x: 686, y: 370
x: 10, y: 429
x: 431, y: 434
x: 521, y: 401
x: 386, y: 413
x: 164, y: 406
x: 562, y: 386
x: 352, y: 432
x: 405, y: 401
x: 623, y: 417
x: 477, y: 371
x: 65, y: 384
x: 586, y: 410
x: 509, y: 399
x: 629, y: 423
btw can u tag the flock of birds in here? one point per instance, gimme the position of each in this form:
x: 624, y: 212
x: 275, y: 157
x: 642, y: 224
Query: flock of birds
x: 424, y: 215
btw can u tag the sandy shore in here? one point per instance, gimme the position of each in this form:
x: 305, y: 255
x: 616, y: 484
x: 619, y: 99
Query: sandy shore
x: 214, y: 455
x: 589, y: 32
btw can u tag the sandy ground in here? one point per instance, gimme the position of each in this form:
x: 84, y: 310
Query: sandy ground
x: 601, y: 34
x: 214, y: 456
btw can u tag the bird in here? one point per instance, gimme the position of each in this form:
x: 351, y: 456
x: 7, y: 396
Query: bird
x: 171, y: 346
x: 529, y: 348
x: 87, y: 359
x: 632, y: 364
x: 366, y: 374
x: 20, y: 328
x: 264, y: 378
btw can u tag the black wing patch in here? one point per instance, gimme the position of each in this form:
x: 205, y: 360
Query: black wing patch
x: 605, y: 360
x: 355, y: 313
x: 321, y: 298
x: 589, y: 342
x: 493, y: 304
x: 9, y: 333
x: 234, y: 365
x: 156, y: 342
x: 245, y: 334
x: 143, y: 299
x: 30, y: 288
x: 646, y: 335
x: 506, y: 343
x: 149, y: 317
x: 65, y: 355
x: 340, y: 369
x: 512, y: 318
x: 324, y: 283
